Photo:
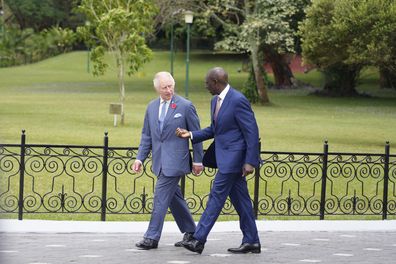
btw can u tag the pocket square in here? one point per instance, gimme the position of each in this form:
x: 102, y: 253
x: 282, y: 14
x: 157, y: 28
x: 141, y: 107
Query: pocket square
x: 177, y: 115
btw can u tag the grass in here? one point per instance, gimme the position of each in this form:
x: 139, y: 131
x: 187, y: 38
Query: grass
x: 58, y: 102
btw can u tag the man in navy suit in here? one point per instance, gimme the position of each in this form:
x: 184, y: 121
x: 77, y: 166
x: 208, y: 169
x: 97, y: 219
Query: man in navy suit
x: 171, y: 158
x: 236, y: 153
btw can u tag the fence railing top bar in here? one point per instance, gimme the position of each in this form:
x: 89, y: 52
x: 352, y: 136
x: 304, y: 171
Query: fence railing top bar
x: 321, y: 153
x: 62, y: 146
x: 136, y: 148
x: 123, y: 148
x: 356, y: 154
x: 290, y: 153
x: 10, y: 145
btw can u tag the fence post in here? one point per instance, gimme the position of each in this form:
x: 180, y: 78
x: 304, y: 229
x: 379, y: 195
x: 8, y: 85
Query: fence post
x: 324, y: 178
x: 21, y: 176
x: 104, y: 176
x: 257, y: 185
x: 386, y: 182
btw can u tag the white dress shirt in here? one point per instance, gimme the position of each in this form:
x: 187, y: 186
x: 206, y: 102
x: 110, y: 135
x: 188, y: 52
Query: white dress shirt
x: 223, y: 94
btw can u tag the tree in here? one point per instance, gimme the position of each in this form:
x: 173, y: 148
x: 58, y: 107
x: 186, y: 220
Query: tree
x: 21, y: 46
x: 265, y: 29
x: 120, y: 27
x: 374, y: 36
x: 280, y: 61
x: 254, y: 27
x: 387, y: 78
x: 371, y: 27
x: 342, y: 36
x: 42, y: 14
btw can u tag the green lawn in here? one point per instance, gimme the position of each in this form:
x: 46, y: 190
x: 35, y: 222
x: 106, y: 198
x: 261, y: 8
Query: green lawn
x: 58, y: 102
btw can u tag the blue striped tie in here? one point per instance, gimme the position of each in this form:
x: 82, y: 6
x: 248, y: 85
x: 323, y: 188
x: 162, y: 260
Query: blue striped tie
x: 162, y: 116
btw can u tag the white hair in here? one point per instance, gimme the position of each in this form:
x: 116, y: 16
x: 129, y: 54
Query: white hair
x: 162, y: 75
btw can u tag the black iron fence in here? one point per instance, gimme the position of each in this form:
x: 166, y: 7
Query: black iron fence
x: 61, y: 179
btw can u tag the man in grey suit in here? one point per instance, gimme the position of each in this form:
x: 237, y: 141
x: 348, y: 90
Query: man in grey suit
x: 171, y: 158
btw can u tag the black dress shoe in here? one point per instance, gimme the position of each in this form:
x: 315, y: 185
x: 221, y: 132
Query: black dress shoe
x: 194, y: 245
x: 147, y: 243
x: 246, y: 248
x: 187, y: 237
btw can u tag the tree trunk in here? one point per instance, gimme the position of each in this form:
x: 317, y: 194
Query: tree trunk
x: 387, y: 78
x: 280, y: 67
x: 258, y: 74
x: 121, y: 83
x: 341, y: 79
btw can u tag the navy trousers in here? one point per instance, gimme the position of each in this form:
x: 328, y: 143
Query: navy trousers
x: 235, y: 186
x: 167, y: 194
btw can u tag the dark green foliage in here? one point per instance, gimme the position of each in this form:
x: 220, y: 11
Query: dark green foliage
x: 341, y: 80
x: 341, y: 37
x: 21, y: 46
x: 42, y: 14
x: 387, y: 78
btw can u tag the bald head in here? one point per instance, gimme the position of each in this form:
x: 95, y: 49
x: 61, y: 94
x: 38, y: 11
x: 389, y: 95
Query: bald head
x: 216, y: 80
x: 218, y: 74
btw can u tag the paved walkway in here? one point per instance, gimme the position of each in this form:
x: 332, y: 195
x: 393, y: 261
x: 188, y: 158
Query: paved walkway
x: 27, y: 242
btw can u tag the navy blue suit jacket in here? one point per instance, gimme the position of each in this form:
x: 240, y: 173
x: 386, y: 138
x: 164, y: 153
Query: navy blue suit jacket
x: 235, y: 133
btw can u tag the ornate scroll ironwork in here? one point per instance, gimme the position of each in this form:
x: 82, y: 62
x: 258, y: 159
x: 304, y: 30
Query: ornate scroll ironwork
x: 70, y: 179
x: 355, y: 184
x: 391, y: 207
x: 290, y: 184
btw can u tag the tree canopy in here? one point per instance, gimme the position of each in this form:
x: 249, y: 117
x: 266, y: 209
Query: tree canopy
x: 120, y: 27
x: 42, y: 14
x: 264, y: 29
x: 253, y: 27
x: 350, y: 34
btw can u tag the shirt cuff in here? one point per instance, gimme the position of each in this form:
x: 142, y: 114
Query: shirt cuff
x: 191, y: 136
x: 197, y: 164
x: 139, y: 161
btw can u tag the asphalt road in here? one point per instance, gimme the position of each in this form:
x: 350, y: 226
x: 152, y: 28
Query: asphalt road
x: 334, y: 247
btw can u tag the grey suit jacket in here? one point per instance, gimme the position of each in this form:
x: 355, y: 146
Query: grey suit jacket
x: 170, y: 154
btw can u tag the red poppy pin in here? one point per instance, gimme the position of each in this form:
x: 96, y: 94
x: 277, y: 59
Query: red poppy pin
x: 173, y: 106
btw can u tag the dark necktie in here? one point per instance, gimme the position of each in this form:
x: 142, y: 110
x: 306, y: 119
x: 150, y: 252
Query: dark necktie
x: 217, y: 109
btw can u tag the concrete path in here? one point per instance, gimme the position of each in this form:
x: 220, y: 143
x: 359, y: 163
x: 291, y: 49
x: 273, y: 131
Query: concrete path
x: 38, y: 242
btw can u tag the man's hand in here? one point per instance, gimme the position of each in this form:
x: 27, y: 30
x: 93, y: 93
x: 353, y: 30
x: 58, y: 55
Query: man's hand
x: 197, y: 169
x: 247, y: 169
x: 137, y: 166
x: 182, y: 133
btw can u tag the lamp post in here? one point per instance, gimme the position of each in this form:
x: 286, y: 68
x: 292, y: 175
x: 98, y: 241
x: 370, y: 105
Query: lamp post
x: 88, y: 59
x: 87, y: 24
x: 188, y: 18
x: 171, y: 49
x: 2, y: 15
